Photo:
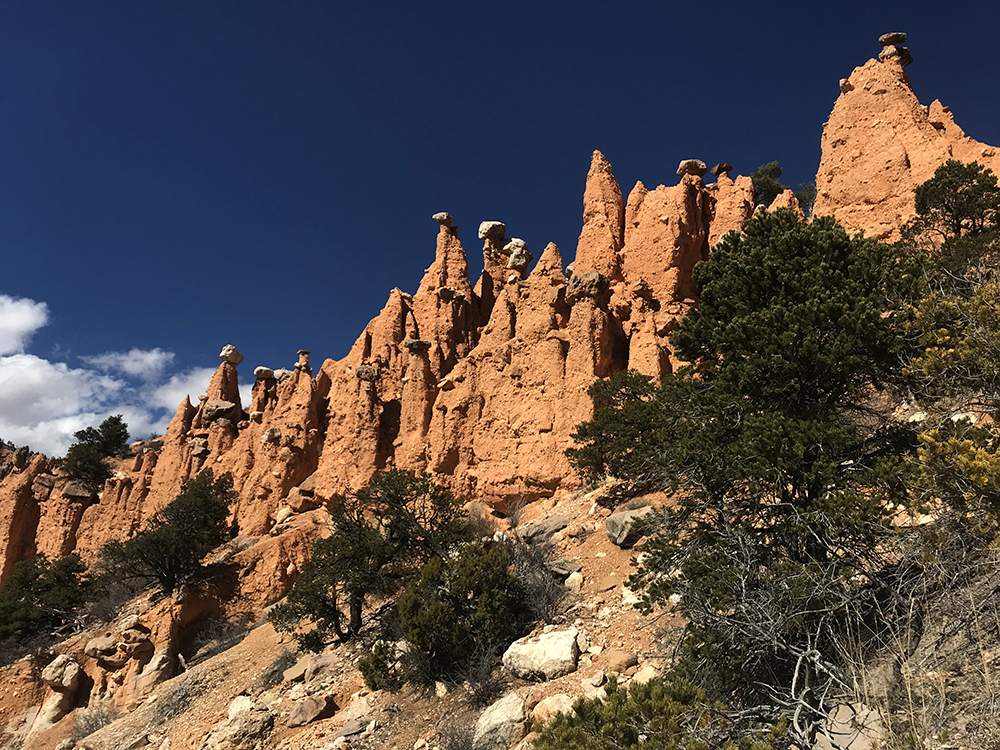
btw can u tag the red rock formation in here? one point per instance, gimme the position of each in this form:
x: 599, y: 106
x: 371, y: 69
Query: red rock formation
x: 603, y: 235
x: 879, y: 144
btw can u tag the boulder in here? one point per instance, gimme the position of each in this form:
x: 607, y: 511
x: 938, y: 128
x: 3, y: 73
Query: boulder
x: 619, y: 661
x: 320, y: 663
x: 546, y: 657
x: 621, y: 526
x: 297, y: 672
x: 263, y: 373
x: 310, y: 709
x: 892, y: 38
x: 492, y: 230
x: 62, y: 674
x: 77, y: 490
x: 101, y: 647
x: 218, y: 409
x: 231, y: 355
x: 644, y: 675
x: 722, y: 168
x: 692, y: 166
x: 247, y: 730
x: 282, y: 374
x: 563, y: 567
x: 548, y: 708
x: 444, y: 218
x: 500, y: 725
x: 586, y: 285
x: 540, y: 531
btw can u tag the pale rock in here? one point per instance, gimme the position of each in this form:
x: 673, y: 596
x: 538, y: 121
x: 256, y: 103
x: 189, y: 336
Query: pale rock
x: 231, y: 355
x: 622, y: 527
x: 263, y: 373
x: 548, y: 708
x: 62, y: 674
x: 619, y: 661
x: 892, y: 38
x: 692, y: 166
x: 501, y: 724
x: 493, y: 230
x: 444, y: 218
x: 246, y: 730
x: 240, y: 704
x: 574, y: 582
x: 546, y: 657
x: 645, y: 674
x: 309, y: 710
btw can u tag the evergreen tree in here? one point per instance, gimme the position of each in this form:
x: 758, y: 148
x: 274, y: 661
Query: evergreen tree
x: 40, y: 594
x: 779, y: 442
x: 169, y: 551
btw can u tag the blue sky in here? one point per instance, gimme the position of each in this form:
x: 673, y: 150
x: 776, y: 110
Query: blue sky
x: 176, y: 176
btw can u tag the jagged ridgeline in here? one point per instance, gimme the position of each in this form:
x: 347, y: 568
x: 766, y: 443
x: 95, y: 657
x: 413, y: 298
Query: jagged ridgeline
x: 480, y: 384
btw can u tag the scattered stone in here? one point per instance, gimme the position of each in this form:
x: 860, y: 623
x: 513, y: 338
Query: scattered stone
x: 271, y: 435
x: 892, y: 38
x: 230, y: 354
x: 319, y: 663
x: 280, y: 516
x: 546, y: 657
x: 296, y: 672
x: 574, y: 582
x: 368, y: 373
x: 217, y: 409
x: 622, y: 527
x: 692, y: 166
x: 263, y: 373
x: 247, y: 729
x: 586, y: 285
x: 548, y: 708
x: 444, y: 218
x: 563, y: 567
x: 644, y: 675
x: 282, y: 374
x: 354, y: 726
x: 845, y: 86
x: 240, y: 704
x: 608, y: 582
x: 619, y: 661
x: 722, y: 168
x: 415, y: 346
x: 493, y: 230
x: 309, y: 710
x: 500, y: 725
x: 62, y: 674
x: 540, y: 531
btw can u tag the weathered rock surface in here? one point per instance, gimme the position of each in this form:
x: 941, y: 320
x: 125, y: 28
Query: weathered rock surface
x: 546, y: 657
x: 549, y: 707
x: 500, y: 725
x: 622, y: 526
x: 247, y: 729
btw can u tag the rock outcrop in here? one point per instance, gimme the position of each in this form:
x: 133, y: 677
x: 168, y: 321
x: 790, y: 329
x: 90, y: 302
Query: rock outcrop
x: 880, y: 143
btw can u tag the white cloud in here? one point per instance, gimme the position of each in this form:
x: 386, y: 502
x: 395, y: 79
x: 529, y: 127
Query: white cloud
x: 19, y: 319
x: 43, y: 403
x: 147, y: 364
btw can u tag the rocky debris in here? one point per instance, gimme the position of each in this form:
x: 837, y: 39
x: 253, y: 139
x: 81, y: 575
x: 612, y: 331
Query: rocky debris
x: 271, y: 436
x: 303, y: 363
x: 622, y: 526
x: 542, y: 530
x: 545, y: 657
x: 77, y: 489
x: 247, y: 728
x: 263, y: 373
x: 586, y: 286
x: 518, y: 255
x: 231, y: 355
x: 310, y: 709
x: 444, y: 218
x: 618, y: 661
x: 645, y: 674
x: 494, y: 231
x: 62, y: 674
x: 563, y: 567
x: 282, y: 374
x: 296, y: 672
x: 892, y: 38
x: 548, y: 708
x: 218, y: 409
x: 500, y: 725
x: 722, y: 168
x: 900, y: 54
x: 692, y: 166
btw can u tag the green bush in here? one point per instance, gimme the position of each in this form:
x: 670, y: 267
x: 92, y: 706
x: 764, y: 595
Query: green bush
x: 467, y: 604
x: 380, y: 536
x: 169, y: 551
x: 84, y: 460
x: 662, y: 714
x: 379, y: 668
x: 40, y: 595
